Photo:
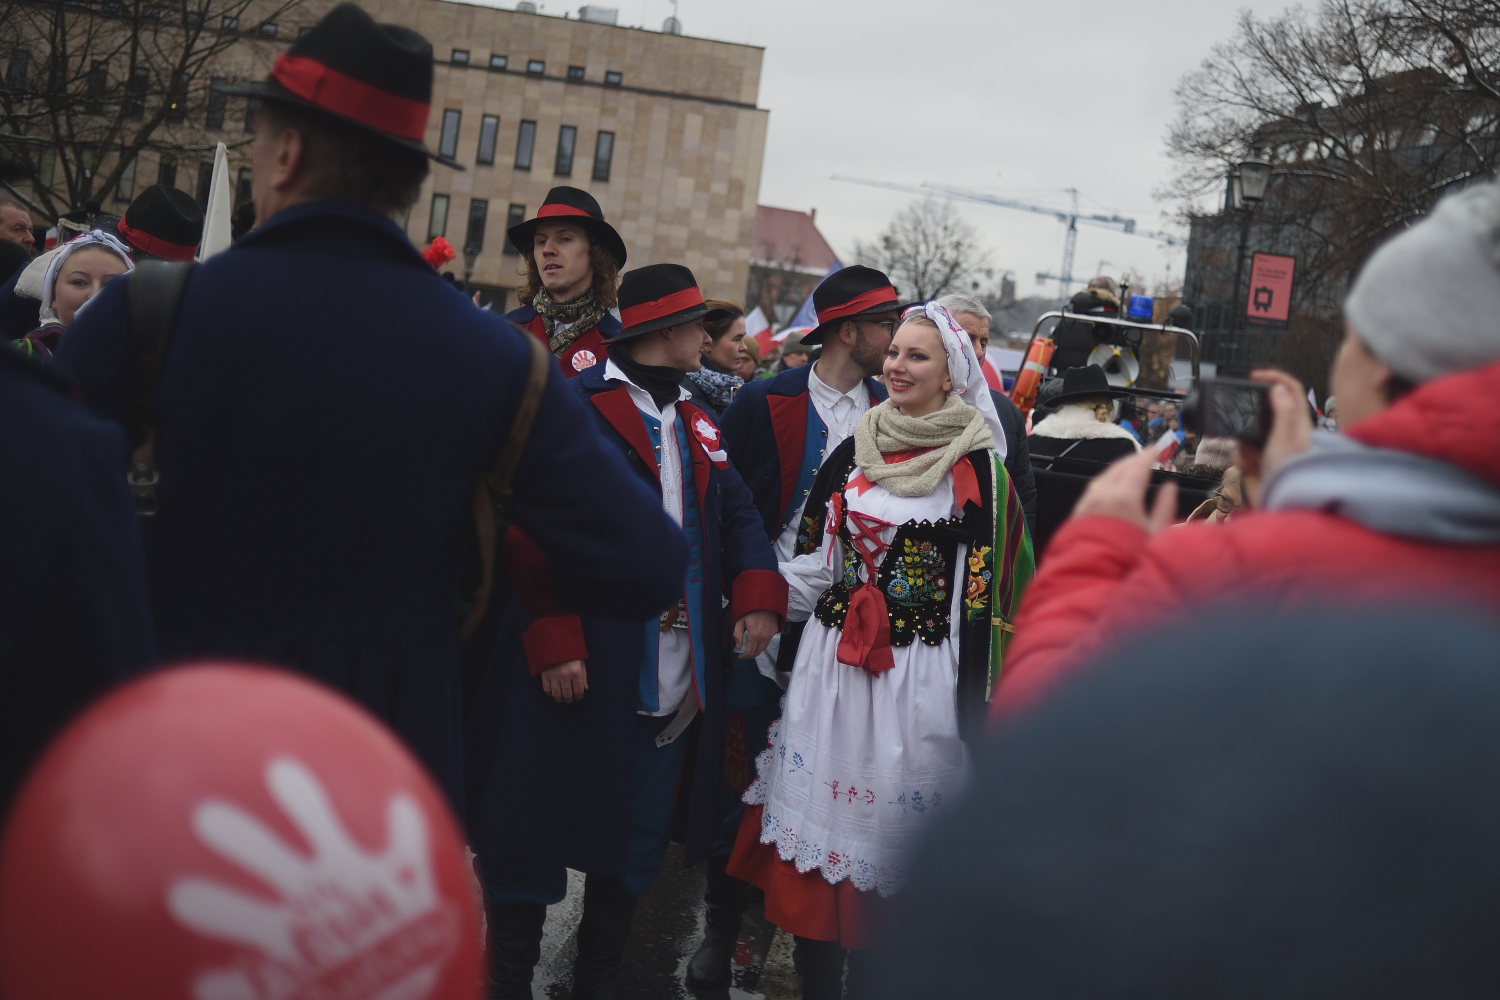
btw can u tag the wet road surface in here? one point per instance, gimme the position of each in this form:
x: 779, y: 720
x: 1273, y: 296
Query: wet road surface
x: 667, y: 930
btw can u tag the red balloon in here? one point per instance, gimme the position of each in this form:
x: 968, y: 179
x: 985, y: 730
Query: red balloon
x: 230, y: 832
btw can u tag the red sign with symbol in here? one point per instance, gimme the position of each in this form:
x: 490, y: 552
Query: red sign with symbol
x: 1270, y: 300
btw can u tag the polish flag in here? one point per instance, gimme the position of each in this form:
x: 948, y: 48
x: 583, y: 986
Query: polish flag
x: 758, y: 329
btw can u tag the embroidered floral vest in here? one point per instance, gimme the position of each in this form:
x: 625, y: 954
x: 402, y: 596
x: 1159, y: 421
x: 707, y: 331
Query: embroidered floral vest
x: 916, y: 577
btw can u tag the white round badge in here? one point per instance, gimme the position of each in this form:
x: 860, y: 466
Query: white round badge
x: 583, y: 359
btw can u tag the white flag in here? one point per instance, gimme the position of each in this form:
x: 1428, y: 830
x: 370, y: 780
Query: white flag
x: 217, y: 232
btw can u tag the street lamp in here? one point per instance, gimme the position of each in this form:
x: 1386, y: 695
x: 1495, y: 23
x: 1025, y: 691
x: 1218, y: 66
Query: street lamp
x: 1247, y: 189
x: 471, y: 254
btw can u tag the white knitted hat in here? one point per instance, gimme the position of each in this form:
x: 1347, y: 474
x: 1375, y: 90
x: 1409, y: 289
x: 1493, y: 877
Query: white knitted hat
x: 1427, y: 303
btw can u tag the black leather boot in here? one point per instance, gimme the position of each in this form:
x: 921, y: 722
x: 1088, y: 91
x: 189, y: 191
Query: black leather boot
x: 727, y: 898
x: 607, y: 912
x: 513, y: 943
x: 820, y: 967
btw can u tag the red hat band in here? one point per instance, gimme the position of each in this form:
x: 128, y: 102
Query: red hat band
x: 557, y: 208
x: 154, y: 245
x: 339, y: 92
x: 677, y: 302
x: 859, y: 304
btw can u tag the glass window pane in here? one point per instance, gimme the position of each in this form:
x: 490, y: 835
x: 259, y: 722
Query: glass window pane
x: 448, y: 144
x: 604, y: 155
x: 513, y: 218
x: 242, y: 188
x: 125, y: 190
x: 525, y: 140
x: 612, y: 78
x: 536, y: 66
x: 461, y: 57
x: 437, y: 222
x: 498, y: 62
x: 489, y: 127
x: 575, y: 72
x: 166, y: 172
x: 479, y: 210
x: 205, y: 182
x: 566, y: 137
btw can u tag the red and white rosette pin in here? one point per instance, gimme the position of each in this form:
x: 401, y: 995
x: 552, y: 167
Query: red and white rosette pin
x: 583, y: 359
x: 708, y: 436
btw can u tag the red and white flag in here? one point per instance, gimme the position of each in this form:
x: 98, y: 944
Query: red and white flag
x: 758, y: 329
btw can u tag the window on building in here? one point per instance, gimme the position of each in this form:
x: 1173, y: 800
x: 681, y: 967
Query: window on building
x: 489, y: 128
x: 153, y: 13
x: 96, y: 85
x: 228, y: 23
x: 217, y: 101
x: 177, y: 99
x: 498, y: 62
x: 135, y: 93
x: 479, y: 211
x: 268, y: 30
x: 460, y: 57
x: 612, y: 78
x: 251, y: 106
x: 437, y: 222
x: 205, y: 182
x: 15, y: 75
x: 448, y: 142
x: 525, y: 141
x: 125, y: 189
x: 536, y: 66
x: 575, y: 72
x: 401, y: 218
x: 604, y: 155
x: 46, y: 166
x: 193, y: 18
x: 244, y: 192
x: 513, y: 218
x: 567, y: 138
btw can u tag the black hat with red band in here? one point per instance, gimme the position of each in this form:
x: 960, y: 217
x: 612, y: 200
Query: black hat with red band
x: 656, y: 297
x: 377, y: 76
x: 163, y: 222
x: 569, y: 204
x: 849, y: 292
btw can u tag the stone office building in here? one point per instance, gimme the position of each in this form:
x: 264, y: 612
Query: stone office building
x: 661, y: 128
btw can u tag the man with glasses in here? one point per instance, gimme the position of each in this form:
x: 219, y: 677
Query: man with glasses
x: 776, y: 433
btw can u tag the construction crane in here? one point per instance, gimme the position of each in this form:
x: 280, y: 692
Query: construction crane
x: 1072, y: 217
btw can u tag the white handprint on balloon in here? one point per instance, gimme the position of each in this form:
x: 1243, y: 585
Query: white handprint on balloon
x: 349, y: 925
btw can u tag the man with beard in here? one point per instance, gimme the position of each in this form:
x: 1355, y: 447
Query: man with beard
x: 573, y: 258
x: 777, y: 433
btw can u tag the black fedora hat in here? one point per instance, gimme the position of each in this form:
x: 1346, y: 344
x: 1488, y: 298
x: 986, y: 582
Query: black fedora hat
x: 570, y: 204
x: 1078, y: 383
x: 851, y: 291
x: 163, y: 222
x: 377, y: 76
x: 657, y: 296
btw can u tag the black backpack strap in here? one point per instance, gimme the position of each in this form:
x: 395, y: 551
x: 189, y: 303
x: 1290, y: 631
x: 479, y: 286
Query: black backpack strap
x: 491, y: 492
x: 154, y: 294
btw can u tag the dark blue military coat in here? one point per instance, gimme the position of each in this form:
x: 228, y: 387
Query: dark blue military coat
x: 73, y: 613
x: 550, y: 782
x: 766, y: 436
x: 323, y: 415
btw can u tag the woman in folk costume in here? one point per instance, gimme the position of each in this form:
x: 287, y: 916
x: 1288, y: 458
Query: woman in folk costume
x: 71, y: 275
x: 572, y: 259
x: 907, y: 586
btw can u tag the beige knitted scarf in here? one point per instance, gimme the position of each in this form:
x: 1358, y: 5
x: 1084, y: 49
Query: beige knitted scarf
x: 950, y: 433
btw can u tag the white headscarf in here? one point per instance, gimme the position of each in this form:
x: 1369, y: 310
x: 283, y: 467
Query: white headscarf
x: 964, y: 369
x: 94, y: 237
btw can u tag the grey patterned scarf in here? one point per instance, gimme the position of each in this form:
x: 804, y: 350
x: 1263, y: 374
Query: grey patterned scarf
x: 716, y: 385
x: 583, y: 311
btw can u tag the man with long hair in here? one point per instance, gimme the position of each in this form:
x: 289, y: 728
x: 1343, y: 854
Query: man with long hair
x: 573, y: 260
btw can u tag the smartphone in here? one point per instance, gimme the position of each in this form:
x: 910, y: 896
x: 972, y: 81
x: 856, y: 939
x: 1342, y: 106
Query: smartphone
x: 1230, y: 407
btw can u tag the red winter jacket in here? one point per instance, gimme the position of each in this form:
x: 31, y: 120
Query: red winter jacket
x: 1104, y: 579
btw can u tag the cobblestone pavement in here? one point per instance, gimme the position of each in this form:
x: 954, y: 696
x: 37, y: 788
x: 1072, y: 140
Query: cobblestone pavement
x: 668, y: 927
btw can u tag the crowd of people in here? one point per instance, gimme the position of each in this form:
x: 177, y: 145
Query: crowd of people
x: 607, y: 579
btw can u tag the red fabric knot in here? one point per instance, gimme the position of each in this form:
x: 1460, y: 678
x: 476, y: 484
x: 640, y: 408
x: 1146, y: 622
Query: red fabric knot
x: 866, y: 637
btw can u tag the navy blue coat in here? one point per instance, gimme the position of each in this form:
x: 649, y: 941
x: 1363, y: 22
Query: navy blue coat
x: 326, y: 408
x: 550, y: 782
x: 765, y: 433
x: 73, y: 612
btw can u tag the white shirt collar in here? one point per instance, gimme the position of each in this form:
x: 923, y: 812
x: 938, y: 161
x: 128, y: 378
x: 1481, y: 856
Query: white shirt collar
x: 827, y: 395
x: 613, y: 372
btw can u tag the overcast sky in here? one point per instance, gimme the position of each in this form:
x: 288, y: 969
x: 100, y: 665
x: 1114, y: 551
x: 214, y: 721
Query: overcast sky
x: 1021, y: 99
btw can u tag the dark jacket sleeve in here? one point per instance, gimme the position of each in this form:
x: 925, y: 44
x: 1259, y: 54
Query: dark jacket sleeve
x: 610, y: 548
x: 1017, y: 454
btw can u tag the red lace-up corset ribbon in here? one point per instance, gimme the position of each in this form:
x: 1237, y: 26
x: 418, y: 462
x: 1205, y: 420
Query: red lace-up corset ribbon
x: 865, y: 640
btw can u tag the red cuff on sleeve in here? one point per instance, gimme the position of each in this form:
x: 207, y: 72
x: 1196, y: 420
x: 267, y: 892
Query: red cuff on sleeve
x: 553, y: 640
x: 758, y: 590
